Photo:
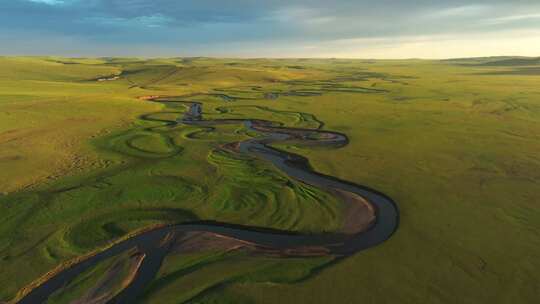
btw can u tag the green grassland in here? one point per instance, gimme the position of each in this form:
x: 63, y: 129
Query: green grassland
x: 455, y: 143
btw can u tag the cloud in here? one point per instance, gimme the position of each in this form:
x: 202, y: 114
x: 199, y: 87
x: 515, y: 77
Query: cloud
x: 151, y: 21
x: 470, y: 10
x: 512, y: 18
x: 49, y: 2
x: 194, y: 26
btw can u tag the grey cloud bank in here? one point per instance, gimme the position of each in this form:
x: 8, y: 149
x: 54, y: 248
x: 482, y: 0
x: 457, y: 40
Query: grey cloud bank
x: 341, y: 28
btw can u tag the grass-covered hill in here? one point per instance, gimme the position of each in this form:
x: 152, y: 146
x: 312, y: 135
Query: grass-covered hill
x: 84, y: 161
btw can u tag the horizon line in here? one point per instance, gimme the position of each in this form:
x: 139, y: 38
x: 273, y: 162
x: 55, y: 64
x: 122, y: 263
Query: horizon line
x: 259, y: 58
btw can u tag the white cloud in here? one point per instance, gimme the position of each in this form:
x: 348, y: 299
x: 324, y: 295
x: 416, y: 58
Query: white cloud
x: 511, y: 18
x: 152, y: 21
x: 49, y: 2
x: 459, y: 11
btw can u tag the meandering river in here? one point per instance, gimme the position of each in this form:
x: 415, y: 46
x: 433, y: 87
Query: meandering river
x: 150, y: 243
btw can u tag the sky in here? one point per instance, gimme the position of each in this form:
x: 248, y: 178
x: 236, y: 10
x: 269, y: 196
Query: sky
x: 271, y: 28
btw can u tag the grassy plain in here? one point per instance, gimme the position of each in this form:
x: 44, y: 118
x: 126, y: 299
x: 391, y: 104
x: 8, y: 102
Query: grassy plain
x: 454, y: 143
